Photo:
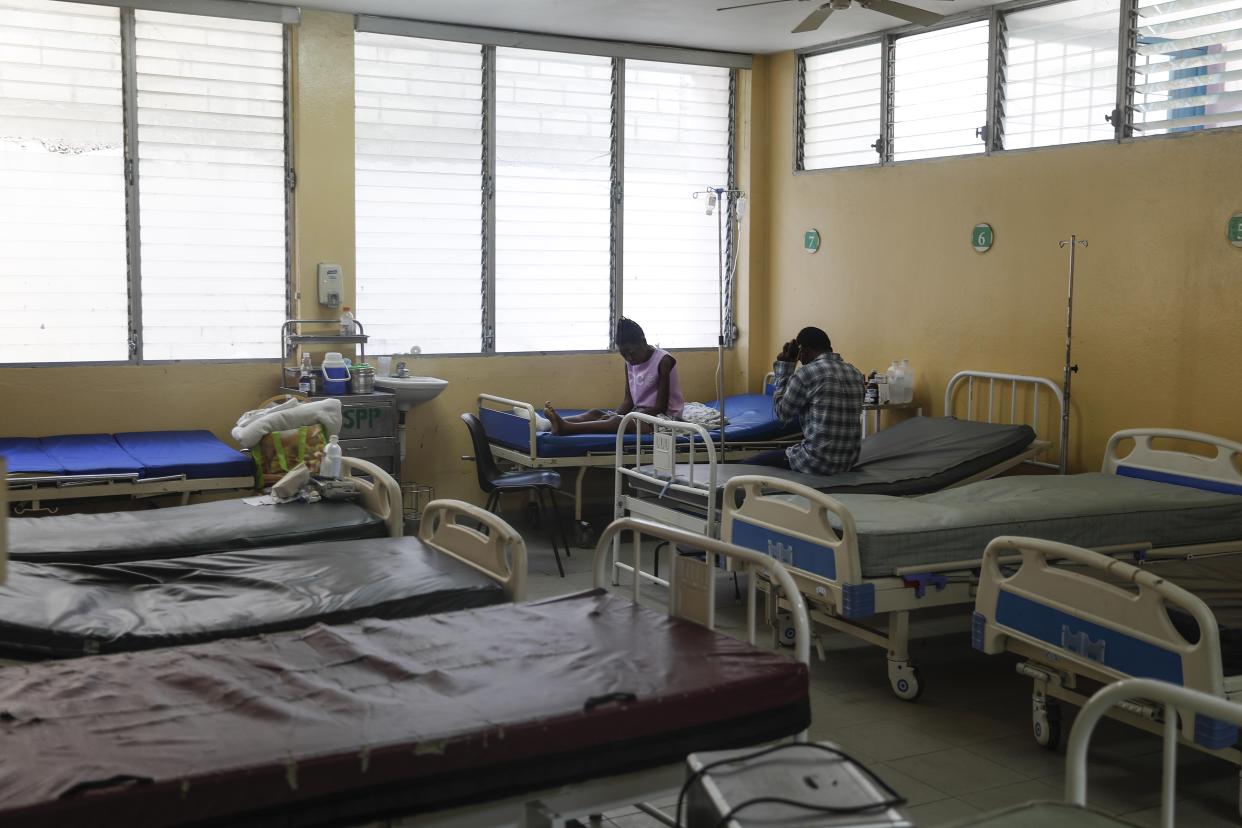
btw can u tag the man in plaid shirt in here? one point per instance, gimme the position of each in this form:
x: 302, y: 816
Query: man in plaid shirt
x: 826, y: 395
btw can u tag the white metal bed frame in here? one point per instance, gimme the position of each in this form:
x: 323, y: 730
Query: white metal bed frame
x: 630, y: 465
x: 733, y: 450
x: 1016, y: 383
x: 692, y: 598
x: 847, y: 601
x: 36, y: 489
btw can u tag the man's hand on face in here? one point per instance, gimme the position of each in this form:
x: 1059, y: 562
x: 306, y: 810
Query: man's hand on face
x: 790, y: 352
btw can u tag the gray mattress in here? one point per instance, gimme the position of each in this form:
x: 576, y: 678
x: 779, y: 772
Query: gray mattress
x: 177, y: 531
x: 1089, y: 510
x: 916, y: 456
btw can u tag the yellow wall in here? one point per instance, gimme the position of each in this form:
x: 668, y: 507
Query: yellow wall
x: 1158, y: 297
x: 39, y: 401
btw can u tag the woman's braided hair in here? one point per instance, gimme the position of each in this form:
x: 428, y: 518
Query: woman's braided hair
x: 629, y: 332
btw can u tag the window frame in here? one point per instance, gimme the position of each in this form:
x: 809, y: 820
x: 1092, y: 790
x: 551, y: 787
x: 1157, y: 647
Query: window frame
x: 286, y: 17
x: 489, y: 40
x: 1121, y: 118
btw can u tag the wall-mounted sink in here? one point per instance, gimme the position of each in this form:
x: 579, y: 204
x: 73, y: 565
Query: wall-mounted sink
x: 411, y: 391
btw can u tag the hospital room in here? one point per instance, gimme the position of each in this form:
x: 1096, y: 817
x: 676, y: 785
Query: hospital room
x: 606, y: 414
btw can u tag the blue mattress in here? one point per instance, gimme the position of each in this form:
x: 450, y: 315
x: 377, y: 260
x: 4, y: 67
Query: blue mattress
x: 196, y: 454
x: 749, y: 415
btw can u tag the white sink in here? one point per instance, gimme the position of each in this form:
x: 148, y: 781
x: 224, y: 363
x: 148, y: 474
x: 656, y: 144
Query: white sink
x: 411, y: 391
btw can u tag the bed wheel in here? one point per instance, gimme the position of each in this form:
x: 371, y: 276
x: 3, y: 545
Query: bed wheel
x: 1046, y: 724
x: 905, y: 680
x: 787, y: 633
x: 583, y: 535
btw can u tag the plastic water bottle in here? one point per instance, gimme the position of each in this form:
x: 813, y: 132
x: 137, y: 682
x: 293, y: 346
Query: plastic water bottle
x: 893, y: 375
x: 907, y: 382
x: 347, y: 322
x: 331, y: 465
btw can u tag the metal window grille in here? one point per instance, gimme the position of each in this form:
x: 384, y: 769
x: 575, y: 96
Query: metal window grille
x: 677, y: 141
x: 211, y: 177
x: 940, y: 92
x: 1186, y: 66
x: 841, y: 108
x: 1059, y: 73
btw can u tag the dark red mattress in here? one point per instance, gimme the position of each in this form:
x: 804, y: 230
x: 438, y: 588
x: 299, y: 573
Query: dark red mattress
x: 376, y: 718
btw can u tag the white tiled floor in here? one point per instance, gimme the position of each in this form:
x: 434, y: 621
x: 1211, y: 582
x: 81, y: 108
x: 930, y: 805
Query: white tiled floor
x: 964, y: 747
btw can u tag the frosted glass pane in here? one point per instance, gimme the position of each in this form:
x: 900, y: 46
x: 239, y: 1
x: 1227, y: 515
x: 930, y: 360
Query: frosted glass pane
x: 676, y: 142
x: 940, y: 92
x: 842, y: 108
x: 418, y: 183
x: 63, y: 274
x: 1060, y: 73
x: 553, y: 177
x: 211, y: 186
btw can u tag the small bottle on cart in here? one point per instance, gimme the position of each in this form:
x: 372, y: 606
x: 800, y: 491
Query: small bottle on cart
x: 306, y: 376
x: 330, y: 467
x: 347, y: 322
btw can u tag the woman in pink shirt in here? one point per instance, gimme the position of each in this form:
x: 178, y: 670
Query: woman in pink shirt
x: 651, y: 386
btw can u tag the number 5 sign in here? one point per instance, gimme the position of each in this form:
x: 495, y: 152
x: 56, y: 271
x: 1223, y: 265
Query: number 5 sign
x: 981, y: 238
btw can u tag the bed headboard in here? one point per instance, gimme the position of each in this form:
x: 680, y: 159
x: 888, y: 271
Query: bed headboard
x: 1014, y: 399
x: 1216, y: 473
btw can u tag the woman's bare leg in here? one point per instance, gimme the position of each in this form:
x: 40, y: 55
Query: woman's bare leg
x: 592, y: 422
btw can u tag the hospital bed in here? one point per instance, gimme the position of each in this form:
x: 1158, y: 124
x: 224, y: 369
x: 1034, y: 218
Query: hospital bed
x: 917, y: 456
x: 129, y: 464
x: 859, y: 559
x: 514, y: 436
x: 217, y: 526
x: 454, y: 716
x: 463, y: 558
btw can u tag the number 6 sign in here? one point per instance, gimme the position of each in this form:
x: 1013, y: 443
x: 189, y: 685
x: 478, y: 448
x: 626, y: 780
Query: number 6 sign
x: 981, y: 238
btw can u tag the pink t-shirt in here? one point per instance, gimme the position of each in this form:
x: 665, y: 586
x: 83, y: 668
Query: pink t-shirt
x: 644, y: 383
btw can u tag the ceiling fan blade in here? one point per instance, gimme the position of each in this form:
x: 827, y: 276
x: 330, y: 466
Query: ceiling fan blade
x: 814, y: 20
x: 921, y: 17
x: 748, y: 5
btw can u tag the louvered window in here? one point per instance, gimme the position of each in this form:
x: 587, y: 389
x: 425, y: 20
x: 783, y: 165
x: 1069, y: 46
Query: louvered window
x: 676, y: 143
x: 841, y: 107
x: 62, y: 184
x: 1188, y: 66
x: 553, y: 201
x: 211, y: 161
x: 419, y: 192
x: 940, y: 92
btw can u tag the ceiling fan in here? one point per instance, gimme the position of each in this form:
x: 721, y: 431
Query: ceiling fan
x: 816, y: 18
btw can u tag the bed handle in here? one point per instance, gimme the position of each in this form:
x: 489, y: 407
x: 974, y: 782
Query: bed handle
x: 381, y: 495
x: 1219, y: 468
x: 499, y: 553
x: 819, y: 505
x: 121, y: 780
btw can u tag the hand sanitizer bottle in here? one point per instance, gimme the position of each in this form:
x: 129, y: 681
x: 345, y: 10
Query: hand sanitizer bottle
x: 330, y: 467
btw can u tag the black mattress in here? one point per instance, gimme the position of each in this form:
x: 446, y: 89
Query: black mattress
x: 179, y: 531
x: 66, y: 610
x: 916, y: 456
x: 344, y: 724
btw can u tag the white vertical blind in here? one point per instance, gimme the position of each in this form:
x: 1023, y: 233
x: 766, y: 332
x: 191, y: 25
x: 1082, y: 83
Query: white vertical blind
x: 676, y: 142
x: 62, y: 185
x: 842, y: 102
x: 418, y: 162
x: 1060, y: 73
x: 1189, y: 66
x: 553, y: 176
x: 940, y: 92
x: 211, y: 181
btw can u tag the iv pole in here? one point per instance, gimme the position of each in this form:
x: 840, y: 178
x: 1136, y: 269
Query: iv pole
x: 716, y: 199
x: 1070, y: 368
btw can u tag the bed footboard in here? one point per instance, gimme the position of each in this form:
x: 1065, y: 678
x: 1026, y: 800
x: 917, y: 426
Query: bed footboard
x: 479, y: 539
x: 1070, y: 623
x: 1219, y: 472
x: 381, y: 495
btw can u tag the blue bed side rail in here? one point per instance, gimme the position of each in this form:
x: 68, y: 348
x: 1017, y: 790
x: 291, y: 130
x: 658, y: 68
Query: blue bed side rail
x: 1218, y: 486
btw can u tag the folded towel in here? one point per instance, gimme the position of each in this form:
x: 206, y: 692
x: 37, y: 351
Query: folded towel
x: 704, y: 415
x: 251, y: 429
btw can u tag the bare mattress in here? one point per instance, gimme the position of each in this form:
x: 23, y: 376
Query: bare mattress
x: 66, y: 610
x: 380, y: 717
x: 178, y: 531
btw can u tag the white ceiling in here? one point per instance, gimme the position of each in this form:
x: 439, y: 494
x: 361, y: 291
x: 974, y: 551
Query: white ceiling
x: 689, y: 23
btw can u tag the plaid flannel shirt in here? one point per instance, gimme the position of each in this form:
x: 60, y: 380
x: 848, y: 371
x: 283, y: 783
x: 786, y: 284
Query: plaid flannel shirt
x: 827, y: 396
